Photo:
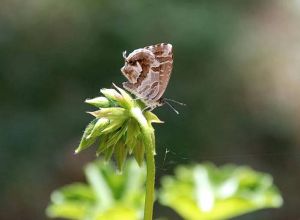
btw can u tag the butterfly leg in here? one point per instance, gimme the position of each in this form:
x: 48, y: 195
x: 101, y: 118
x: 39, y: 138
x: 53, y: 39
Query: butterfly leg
x: 148, y: 108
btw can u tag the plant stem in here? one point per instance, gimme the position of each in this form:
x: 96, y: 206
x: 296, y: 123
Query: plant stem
x: 147, y: 132
x: 150, y: 182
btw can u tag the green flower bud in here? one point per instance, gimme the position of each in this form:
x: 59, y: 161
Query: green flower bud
x: 118, y: 126
x: 100, y: 102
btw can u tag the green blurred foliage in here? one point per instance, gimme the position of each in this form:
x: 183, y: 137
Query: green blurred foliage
x: 107, y: 195
x: 207, y: 192
x: 200, y: 191
x: 55, y: 53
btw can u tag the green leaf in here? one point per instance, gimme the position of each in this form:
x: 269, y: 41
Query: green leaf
x: 119, y: 213
x: 207, y: 192
x: 107, y: 195
x: 68, y: 210
x: 134, y: 182
x: 71, y: 201
x: 99, y: 185
x: 73, y: 192
x: 85, y: 141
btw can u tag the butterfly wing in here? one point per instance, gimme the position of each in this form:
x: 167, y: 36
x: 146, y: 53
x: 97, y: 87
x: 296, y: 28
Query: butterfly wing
x: 164, y: 55
x: 153, y: 79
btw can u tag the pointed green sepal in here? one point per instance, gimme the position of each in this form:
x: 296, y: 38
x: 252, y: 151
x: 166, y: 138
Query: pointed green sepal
x: 113, y: 126
x: 116, y: 136
x: 100, y: 102
x: 86, y: 142
x: 138, y: 152
x: 133, y: 131
x: 102, y: 144
x: 131, y: 142
x: 120, y: 154
x: 152, y: 118
x: 113, y: 112
x: 112, y: 94
x: 127, y: 101
x: 99, y: 126
x: 108, y: 153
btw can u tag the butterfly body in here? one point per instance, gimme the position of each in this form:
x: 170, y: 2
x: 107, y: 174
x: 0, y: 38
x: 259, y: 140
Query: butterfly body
x: 148, y: 71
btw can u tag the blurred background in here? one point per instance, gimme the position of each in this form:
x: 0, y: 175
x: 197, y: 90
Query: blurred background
x: 237, y: 67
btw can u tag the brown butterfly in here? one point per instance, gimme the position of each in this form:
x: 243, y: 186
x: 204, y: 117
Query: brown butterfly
x: 148, y: 71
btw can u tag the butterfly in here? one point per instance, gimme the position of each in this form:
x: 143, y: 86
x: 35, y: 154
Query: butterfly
x: 148, y: 71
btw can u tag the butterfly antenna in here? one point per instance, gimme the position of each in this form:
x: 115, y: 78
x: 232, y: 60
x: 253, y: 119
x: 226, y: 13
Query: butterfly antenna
x: 171, y: 107
x: 124, y: 54
x: 174, y: 101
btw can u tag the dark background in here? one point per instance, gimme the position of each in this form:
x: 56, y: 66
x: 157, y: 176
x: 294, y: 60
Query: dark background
x: 237, y: 67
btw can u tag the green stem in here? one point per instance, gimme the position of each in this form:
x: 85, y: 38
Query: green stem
x: 150, y: 182
x: 150, y: 161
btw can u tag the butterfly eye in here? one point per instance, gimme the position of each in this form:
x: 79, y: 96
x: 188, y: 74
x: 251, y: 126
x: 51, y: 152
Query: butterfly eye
x: 132, y: 62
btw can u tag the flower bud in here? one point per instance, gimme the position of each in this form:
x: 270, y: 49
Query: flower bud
x: 118, y: 127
